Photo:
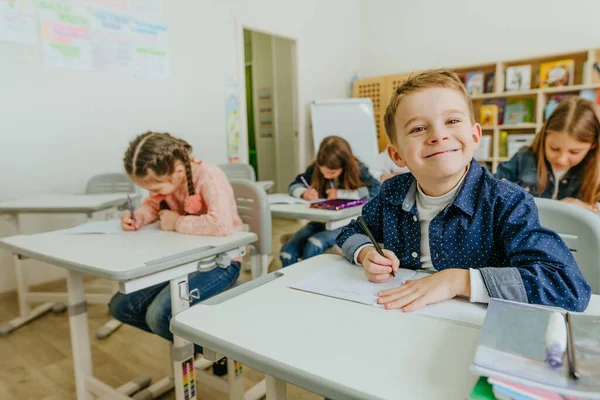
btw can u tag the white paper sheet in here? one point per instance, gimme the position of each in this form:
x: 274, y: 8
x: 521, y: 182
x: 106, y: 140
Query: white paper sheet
x: 111, y: 227
x: 345, y: 281
x: 348, y: 282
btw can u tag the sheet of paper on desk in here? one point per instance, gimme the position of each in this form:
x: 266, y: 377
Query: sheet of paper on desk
x: 111, y: 227
x: 348, y: 282
x: 282, y: 198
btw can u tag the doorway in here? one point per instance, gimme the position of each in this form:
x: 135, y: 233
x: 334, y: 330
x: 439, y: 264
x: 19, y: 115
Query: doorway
x: 271, y: 109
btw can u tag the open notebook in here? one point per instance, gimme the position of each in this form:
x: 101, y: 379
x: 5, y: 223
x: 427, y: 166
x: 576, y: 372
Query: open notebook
x: 345, y: 281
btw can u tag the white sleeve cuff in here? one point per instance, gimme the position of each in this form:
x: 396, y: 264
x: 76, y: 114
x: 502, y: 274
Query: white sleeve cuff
x: 298, y: 192
x: 357, y: 252
x: 479, y: 293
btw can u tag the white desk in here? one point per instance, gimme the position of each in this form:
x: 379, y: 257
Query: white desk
x: 266, y: 185
x: 86, y: 204
x: 138, y: 260
x: 335, y: 348
x: 331, y: 218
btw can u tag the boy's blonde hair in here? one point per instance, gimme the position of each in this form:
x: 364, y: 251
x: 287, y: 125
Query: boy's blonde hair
x: 437, y: 78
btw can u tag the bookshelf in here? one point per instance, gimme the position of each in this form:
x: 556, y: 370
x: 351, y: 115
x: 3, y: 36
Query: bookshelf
x: 585, y: 76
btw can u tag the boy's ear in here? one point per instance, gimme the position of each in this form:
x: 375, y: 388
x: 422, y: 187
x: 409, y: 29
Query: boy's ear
x: 395, y: 155
x: 476, y: 133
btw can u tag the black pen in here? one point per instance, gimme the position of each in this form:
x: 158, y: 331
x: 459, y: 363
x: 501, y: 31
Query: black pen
x: 367, y: 232
x: 571, y: 349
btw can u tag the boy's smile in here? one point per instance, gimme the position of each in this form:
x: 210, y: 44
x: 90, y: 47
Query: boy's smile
x: 435, y: 138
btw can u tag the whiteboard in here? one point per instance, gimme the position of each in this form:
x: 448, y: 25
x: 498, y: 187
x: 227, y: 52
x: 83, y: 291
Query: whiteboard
x: 352, y: 119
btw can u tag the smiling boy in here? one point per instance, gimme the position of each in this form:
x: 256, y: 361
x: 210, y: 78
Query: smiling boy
x: 481, y: 236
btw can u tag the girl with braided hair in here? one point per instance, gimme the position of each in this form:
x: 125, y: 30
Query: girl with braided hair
x: 186, y: 196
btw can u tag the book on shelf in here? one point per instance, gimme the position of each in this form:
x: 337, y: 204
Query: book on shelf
x: 518, y: 111
x: 501, y: 104
x: 474, y: 82
x: 557, y: 73
x: 554, y: 101
x: 517, y: 141
x: 485, y: 148
x: 488, y: 114
x: 518, y: 78
x: 490, y: 82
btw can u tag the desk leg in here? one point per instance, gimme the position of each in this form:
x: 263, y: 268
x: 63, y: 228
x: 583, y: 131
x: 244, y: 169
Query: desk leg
x: 80, y: 341
x: 182, y: 351
x: 276, y: 389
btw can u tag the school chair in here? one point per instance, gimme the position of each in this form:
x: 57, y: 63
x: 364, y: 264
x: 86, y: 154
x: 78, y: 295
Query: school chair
x: 104, y: 184
x: 253, y: 209
x: 110, y: 183
x: 238, y: 171
x: 580, y: 229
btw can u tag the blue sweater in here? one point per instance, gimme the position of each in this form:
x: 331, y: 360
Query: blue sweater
x: 491, y: 225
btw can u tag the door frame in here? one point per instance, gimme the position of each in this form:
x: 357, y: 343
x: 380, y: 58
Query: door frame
x: 244, y: 23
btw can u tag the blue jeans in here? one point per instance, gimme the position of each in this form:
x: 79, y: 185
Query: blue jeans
x: 150, y: 309
x: 308, y: 242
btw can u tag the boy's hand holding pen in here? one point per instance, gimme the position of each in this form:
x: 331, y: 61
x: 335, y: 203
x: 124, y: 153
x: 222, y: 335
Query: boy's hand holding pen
x: 379, y: 265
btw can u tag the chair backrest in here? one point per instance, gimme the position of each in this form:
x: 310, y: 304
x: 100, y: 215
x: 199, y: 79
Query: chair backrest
x: 253, y: 208
x: 110, y: 183
x: 580, y: 229
x: 239, y: 171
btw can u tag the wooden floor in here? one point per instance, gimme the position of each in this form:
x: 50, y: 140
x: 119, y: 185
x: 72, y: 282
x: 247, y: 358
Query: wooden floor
x: 36, y: 362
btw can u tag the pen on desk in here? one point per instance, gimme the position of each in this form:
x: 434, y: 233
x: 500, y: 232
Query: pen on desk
x: 367, y: 232
x: 305, y: 183
x: 571, y: 349
x: 130, y: 204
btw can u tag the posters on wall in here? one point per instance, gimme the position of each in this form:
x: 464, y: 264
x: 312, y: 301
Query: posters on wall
x: 18, y: 21
x: 232, y: 118
x: 123, y: 36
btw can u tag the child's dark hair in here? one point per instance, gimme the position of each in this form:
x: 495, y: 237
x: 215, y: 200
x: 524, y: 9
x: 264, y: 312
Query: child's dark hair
x: 158, y: 152
x: 336, y: 153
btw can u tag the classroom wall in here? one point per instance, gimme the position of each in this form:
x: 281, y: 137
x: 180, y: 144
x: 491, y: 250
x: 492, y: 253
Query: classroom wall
x: 59, y: 127
x: 406, y: 35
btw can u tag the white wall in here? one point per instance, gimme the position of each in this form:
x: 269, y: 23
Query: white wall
x: 406, y: 35
x: 59, y: 127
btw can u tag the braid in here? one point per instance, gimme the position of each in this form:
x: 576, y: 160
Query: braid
x: 188, y: 174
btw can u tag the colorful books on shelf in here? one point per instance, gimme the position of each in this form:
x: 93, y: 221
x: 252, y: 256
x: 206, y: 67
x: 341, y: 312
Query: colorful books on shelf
x: 557, y: 73
x: 512, y: 352
x: 474, y: 82
x: 488, y: 114
x: 518, y: 111
x: 518, y: 78
x: 501, y: 104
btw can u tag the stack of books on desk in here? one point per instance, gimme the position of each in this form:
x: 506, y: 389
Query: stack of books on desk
x: 512, y: 354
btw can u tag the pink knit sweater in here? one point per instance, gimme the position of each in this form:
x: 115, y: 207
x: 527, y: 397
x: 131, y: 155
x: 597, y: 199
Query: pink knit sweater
x: 218, y: 214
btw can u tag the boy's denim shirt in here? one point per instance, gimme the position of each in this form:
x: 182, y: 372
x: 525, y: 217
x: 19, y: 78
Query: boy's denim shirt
x: 491, y: 225
x: 370, y: 190
x: 522, y: 170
